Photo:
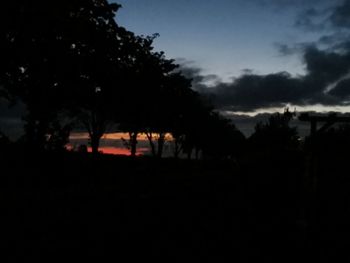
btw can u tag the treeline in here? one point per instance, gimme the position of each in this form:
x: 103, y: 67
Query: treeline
x: 72, y: 65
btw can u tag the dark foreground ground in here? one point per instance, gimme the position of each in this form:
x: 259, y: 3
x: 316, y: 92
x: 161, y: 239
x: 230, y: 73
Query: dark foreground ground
x: 260, y: 208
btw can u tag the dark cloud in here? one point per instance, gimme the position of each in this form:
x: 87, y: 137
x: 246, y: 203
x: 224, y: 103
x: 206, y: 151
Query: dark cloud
x: 324, y: 15
x: 342, y: 89
x: 288, y: 50
x: 312, y: 19
x: 200, y: 81
x: 326, y: 62
x: 285, y: 50
x: 322, y: 84
x: 340, y: 17
x: 332, y: 40
x: 250, y: 92
x: 330, y: 18
x: 326, y: 66
x: 247, y: 71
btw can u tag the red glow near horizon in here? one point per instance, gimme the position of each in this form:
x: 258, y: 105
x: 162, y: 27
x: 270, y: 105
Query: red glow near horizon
x: 119, y: 151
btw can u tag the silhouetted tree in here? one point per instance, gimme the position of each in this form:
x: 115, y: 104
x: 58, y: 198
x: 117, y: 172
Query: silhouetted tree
x: 221, y: 138
x: 58, y: 136
x: 109, y: 94
x: 276, y: 132
x: 4, y: 142
x: 179, y: 101
x: 189, y: 128
x: 175, y: 100
x: 145, y: 96
x: 53, y: 53
x: 159, y: 115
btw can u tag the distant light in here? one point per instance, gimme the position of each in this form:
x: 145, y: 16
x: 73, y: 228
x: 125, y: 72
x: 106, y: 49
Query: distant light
x: 98, y: 89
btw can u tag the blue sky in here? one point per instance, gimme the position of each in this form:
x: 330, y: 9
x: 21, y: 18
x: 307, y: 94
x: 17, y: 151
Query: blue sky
x: 226, y: 38
x: 309, y: 39
x: 222, y: 37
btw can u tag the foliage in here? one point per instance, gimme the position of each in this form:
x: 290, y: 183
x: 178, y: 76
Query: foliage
x: 276, y: 132
x: 56, y: 55
x: 72, y: 56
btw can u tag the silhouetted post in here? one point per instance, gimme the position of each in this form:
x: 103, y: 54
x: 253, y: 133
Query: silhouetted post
x: 327, y: 121
x: 312, y: 160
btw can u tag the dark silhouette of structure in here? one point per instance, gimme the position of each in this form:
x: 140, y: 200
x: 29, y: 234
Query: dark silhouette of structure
x: 327, y: 121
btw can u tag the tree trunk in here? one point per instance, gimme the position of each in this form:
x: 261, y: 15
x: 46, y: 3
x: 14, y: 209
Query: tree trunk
x: 161, y: 141
x: 35, y: 132
x: 133, y: 143
x: 96, y: 127
x: 150, y: 139
x: 95, y: 143
x: 189, y: 154
x: 177, y: 148
x: 197, y: 153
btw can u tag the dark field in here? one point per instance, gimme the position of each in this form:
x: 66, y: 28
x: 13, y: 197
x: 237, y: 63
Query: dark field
x: 260, y: 208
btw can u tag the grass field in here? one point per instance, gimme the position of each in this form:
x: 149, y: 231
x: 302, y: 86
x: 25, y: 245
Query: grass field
x: 60, y: 206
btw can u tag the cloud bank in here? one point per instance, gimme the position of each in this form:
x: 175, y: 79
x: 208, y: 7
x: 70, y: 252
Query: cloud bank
x: 326, y: 62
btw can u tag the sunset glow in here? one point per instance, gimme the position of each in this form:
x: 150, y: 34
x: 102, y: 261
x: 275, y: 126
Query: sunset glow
x: 114, y: 143
x: 114, y: 136
x: 120, y: 151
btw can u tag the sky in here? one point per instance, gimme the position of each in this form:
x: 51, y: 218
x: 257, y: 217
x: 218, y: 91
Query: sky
x: 247, y: 56
x: 223, y: 37
x: 254, y: 55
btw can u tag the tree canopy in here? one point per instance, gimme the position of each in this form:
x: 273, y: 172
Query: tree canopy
x: 70, y: 60
x: 276, y: 132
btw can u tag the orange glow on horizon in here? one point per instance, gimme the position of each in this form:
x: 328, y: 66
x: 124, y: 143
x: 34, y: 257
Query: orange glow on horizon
x: 119, y: 151
x: 114, y: 136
